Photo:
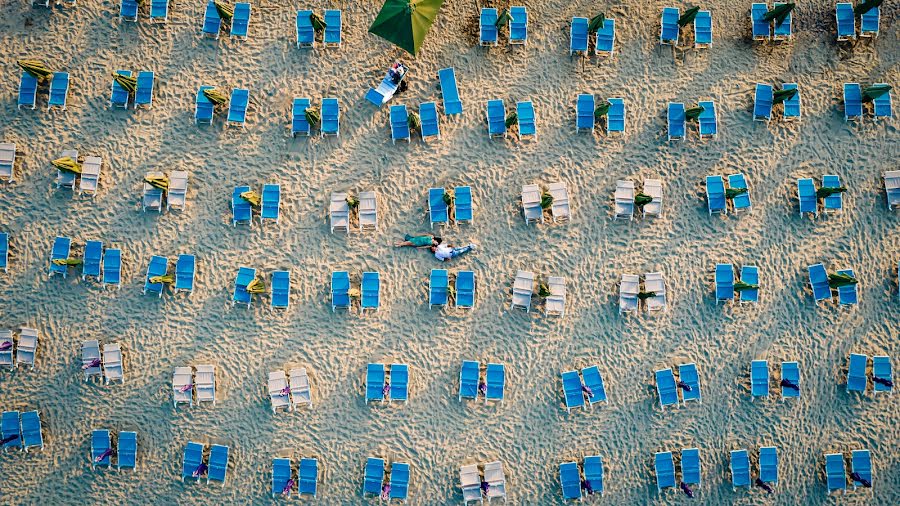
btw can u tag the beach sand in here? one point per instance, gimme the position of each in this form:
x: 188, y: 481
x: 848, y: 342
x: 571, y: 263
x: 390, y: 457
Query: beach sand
x: 530, y: 431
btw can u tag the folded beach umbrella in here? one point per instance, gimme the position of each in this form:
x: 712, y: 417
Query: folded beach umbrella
x: 405, y: 22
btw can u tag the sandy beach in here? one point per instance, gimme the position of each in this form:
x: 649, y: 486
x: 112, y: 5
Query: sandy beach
x: 530, y: 431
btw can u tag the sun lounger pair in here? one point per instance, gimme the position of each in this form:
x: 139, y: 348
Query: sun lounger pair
x: 102, y: 449
x: 821, y: 289
x: 439, y: 289
x: 740, y: 467
x: 518, y: 26
x: 387, y: 383
x: 759, y: 379
x: 370, y: 289
x: 330, y: 117
x: 670, y: 30
x: 283, y: 477
x: 707, y: 121
x: 281, y: 288
x: 108, y: 364
x: 288, y: 392
x: 585, y: 106
x: 185, y: 382
x: 570, y: 477
x: 845, y: 19
x: 725, y: 282
x: 496, y: 119
x: 629, y: 288
x: 664, y: 468
x: 240, y: 20
x: 59, y: 90
x: 471, y: 479
x: 339, y: 212
x: 89, y: 178
x: 604, y: 43
x: 439, y: 209
x: 836, y: 471
x: 397, y: 486
x: 193, y: 466
x: 22, y: 353
x: 763, y: 100
x: 625, y: 195
x: 716, y: 199
x: 575, y: 390
x: 688, y: 383
x: 428, y: 119
x: 175, y: 195
x: 306, y: 35
x: 204, y: 108
x: 882, y: 374
x: 143, y: 93
x: 882, y: 105
x: 763, y: 30
x: 22, y: 430
x: 470, y: 385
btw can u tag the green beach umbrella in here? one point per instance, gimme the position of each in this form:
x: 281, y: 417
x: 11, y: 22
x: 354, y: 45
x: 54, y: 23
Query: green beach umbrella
x: 741, y: 286
x: 782, y: 95
x: 35, y: 68
x: 352, y: 202
x: 544, y: 291
x: 646, y: 295
x: 546, y: 200
x: 68, y: 261
x: 866, y: 6
x: 166, y: 278
x: 596, y: 23
x: 688, y: 16
x: 161, y: 182
x: 693, y: 113
x: 256, y: 286
x: 312, y: 116
x: 67, y: 164
x: 415, y: 122
x: 225, y: 11
x: 779, y: 13
x: 252, y: 197
x: 642, y: 199
x: 827, y: 191
x: 127, y: 83
x: 512, y: 119
x: 448, y: 198
x: 731, y: 193
x: 601, y: 110
x: 215, y: 96
x: 317, y: 22
x: 405, y: 22
x: 875, y: 91
x: 839, y: 280
x: 503, y: 19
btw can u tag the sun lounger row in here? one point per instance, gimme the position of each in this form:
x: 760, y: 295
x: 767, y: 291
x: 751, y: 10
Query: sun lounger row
x: 747, y: 285
x: 194, y: 467
x: 882, y: 374
x: 397, y: 484
x: 587, y: 386
x: 479, y: 481
x: 471, y: 386
x: 630, y: 293
x: 855, y: 98
x: 108, y: 364
x: 845, y: 15
x: 21, y: 431
x: 822, y: 283
x: 387, y: 383
x: 245, y: 202
x: 158, y: 275
x: 536, y: 200
x: 667, y: 387
x: 102, y: 449
x: 288, y: 392
x: 604, y: 32
x: 185, y: 381
x: 15, y: 352
x: 283, y: 481
x: 704, y: 114
x: 158, y: 188
x: 440, y: 201
x: 588, y: 113
x: 836, y: 470
x: 439, y: 289
x: 573, y: 482
x: 310, y: 24
x: 342, y: 294
x: 489, y: 23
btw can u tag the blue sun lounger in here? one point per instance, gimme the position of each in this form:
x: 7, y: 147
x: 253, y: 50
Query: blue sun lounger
x: 299, y: 123
x: 437, y: 208
x: 518, y: 25
x: 27, y: 91
x: 159, y: 10
x: 495, y: 378
x: 399, y: 124
x: 584, y: 112
x: 525, y: 113
x: 665, y: 470
x: 762, y: 102
x: 818, y: 281
x: 835, y: 472
x: 126, y: 456
x: 666, y: 388
x: 606, y: 38
x: 203, y: 107
x: 306, y: 35
x: 218, y: 463
x: 846, y: 21
x: 59, y: 90
x: 340, y: 290
x: 100, y: 444
x: 759, y: 378
x: 669, y: 28
x: 833, y: 202
x: 860, y: 464
x: 857, y: 380
x: 399, y: 481
x: 703, y: 32
x: 594, y: 381
x: 768, y: 464
x: 374, y: 476
x: 240, y: 21
x: 193, y: 458
x: 709, y: 123
x: 244, y: 277
x: 724, y: 283
x: 128, y: 10
x: 237, y: 107
x: 462, y: 204
x: 690, y: 466
x: 212, y: 22
x: 371, y: 289
x: 869, y: 22
x: 308, y: 476
x: 881, y: 369
x: 143, y: 93
x: 119, y: 95
x: 882, y: 105
x: 428, y: 118
x: 4, y: 251
x: 790, y: 371
x: 676, y: 121
x: 578, y: 36
x: 783, y: 30
x: 806, y: 194
x: 572, y: 390
x: 593, y: 472
x: 465, y: 289
x: 399, y: 382
x: 615, y: 117
x: 185, y: 268
x: 93, y: 259
x: 112, y: 267
x: 241, y: 211
x: 469, y: 375
x: 375, y: 374
x: 32, y: 437
x: 281, y: 475
x: 496, y: 118
x: 331, y: 117
x: 449, y: 91
x: 750, y: 275
x: 270, y: 202
x: 741, y: 201
x: 762, y: 29
x: 852, y: 102
x: 281, y: 289
x: 487, y: 27
x: 333, y: 23
x: 158, y: 266
x: 687, y: 373
x: 9, y: 427
x: 740, y: 469
x: 60, y: 251
x: 791, y: 105
x: 570, y: 480
x: 715, y: 195
x: 438, y: 288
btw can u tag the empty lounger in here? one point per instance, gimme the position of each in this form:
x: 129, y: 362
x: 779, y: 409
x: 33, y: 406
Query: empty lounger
x: 306, y: 34
x: 183, y: 386
x: 279, y: 391
x: 676, y: 120
x: 370, y: 288
x: 749, y: 275
x: 90, y: 175
x: 244, y: 277
x: 792, y: 105
x: 487, y: 27
x: 496, y: 119
x: 852, y: 102
x: 192, y: 461
x: 759, y: 378
x: 835, y: 201
x: 653, y: 189
x: 665, y: 470
x: 584, y: 112
x: 690, y: 466
x: 4, y: 251
x: 762, y: 102
x: 703, y: 31
x: 762, y: 29
x: 59, y: 90
x: 93, y: 259
x: 555, y: 303
x: 340, y: 290
x: 331, y: 118
x: 112, y: 363
x: 153, y: 195
x: 367, y: 211
x: 282, y: 480
x: 339, y: 213
x: 531, y: 204
x: 308, y: 476
x: 666, y: 388
x: 11, y: 430
x: 438, y: 211
x: 176, y: 196
x: 570, y: 480
x: 374, y: 476
x: 857, y: 380
x: 495, y: 379
x: 518, y: 25
x: 462, y: 204
x: 185, y: 268
x: 8, y: 161
x: 299, y: 123
x: 281, y: 289
x: 559, y: 208
x: 523, y: 288
x: 60, y: 251
x: 790, y: 374
x: 157, y: 267
x: 882, y: 374
x: 270, y: 202
x: 212, y: 22
x: 375, y: 375
x: 806, y: 193
x: 112, y: 267
x: 606, y: 38
x: 835, y: 472
x: 101, y: 448
x: 438, y: 288
x: 465, y: 289
x: 768, y: 464
x: 399, y: 481
x: 687, y: 374
x: 203, y: 107
x: 869, y: 22
x: 624, y: 200
x: 449, y: 92
x: 90, y: 359
x: 860, y: 466
x: 241, y: 211
x: 881, y: 104
x: 7, y: 348
x: 525, y: 115
x: 593, y: 472
x: 846, y: 21
x: 742, y: 200
x: 615, y: 117
x: 847, y: 295
x: 32, y: 436
x: 818, y: 281
x: 740, y: 469
x: 27, y: 91
x: 574, y: 396
x: 218, y: 463
x: 399, y: 123
x: 399, y: 383
x: 629, y: 287
x: 469, y: 376
x: 594, y: 382
x: 237, y: 107
x: 126, y: 456
x: 708, y: 120
x: 578, y: 36
x: 428, y: 120
x: 205, y: 384
x: 654, y: 283
x: 301, y: 392
x: 159, y: 11
x: 669, y: 27
x: 496, y: 479
x: 27, y: 348
x: 240, y: 21
x: 715, y: 195
x: 118, y: 95
x: 64, y: 178
x: 783, y: 30
x: 892, y: 188
x: 333, y: 24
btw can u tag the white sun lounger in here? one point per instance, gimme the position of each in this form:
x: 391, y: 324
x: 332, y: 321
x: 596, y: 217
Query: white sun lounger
x: 531, y: 204
x: 64, y: 178
x: 559, y: 209
x: 90, y: 351
x: 183, y: 386
x: 556, y: 302
x: 523, y: 287
x: 653, y: 282
x: 205, y: 383
x: 470, y: 482
x: 279, y: 392
x: 27, y: 348
x: 339, y: 212
x: 653, y: 188
x: 628, y: 293
x: 493, y: 474
x: 90, y: 175
x: 892, y: 188
x: 6, y: 356
x: 7, y: 161
x: 153, y: 196
x: 177, y: 194
x: 624, y: 200
x: 301, y: 393
x: 368, y: 212
x: 112, y: 363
